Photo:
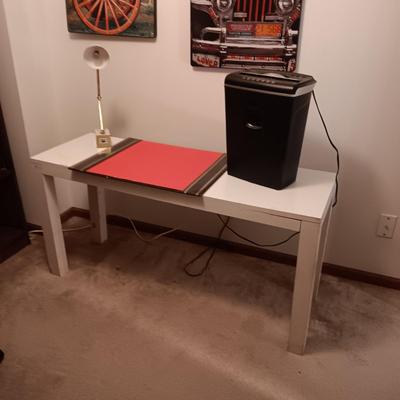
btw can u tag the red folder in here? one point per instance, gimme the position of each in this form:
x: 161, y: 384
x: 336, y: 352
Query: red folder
x: 170, y: 167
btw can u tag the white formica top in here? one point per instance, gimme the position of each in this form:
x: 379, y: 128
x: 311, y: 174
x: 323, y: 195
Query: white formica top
x: 72, y: 152
x: 306, y: 199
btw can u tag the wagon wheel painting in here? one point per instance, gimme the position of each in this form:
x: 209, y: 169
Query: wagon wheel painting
x: 107, y: 17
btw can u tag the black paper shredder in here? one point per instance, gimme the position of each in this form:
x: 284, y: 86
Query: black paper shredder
x: 266, y: 115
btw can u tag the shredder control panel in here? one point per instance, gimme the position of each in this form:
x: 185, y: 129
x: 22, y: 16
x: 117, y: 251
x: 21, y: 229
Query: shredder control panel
x: 285, y: 83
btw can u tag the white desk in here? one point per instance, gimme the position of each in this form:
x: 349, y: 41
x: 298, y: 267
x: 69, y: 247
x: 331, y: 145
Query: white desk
x: 303, y: 207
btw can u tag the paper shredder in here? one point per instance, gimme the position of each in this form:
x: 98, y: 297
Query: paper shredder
x: 266, y: 115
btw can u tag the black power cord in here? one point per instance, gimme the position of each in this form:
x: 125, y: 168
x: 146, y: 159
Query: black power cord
x: 213, y: 249
x: 333, y: 145
x: 255, y: 243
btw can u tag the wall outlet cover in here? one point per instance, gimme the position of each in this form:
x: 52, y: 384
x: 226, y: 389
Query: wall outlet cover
x: 386, y: 226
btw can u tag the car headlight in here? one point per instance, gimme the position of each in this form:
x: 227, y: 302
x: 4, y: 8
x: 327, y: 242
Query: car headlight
x: 285, y: 7
x: 223, y: 6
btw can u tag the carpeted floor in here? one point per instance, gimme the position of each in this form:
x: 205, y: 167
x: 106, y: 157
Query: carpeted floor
x: 126, y: 323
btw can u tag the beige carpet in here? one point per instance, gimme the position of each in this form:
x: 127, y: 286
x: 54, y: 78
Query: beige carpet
x: 126, y: 323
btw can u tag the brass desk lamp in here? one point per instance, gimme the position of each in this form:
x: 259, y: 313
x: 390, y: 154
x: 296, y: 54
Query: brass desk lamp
x: 97, y: 58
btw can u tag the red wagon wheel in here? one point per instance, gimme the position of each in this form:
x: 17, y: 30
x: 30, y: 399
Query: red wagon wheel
x: 107, y: 17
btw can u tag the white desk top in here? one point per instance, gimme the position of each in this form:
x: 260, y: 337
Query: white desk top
x: 306, y: 199
x: 72, y: 152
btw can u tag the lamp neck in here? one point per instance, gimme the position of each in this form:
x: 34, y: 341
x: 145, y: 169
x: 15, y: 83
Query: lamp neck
x: 99, y: 100
x: 98, y: 84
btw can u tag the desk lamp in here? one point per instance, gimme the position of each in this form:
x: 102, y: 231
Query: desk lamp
x: 97, y: 58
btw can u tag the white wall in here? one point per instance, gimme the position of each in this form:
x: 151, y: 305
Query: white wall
x: 151, y: 91
x: 10, y: 101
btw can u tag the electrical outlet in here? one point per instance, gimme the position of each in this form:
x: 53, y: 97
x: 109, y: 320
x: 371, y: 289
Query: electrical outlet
x: 386, y: 226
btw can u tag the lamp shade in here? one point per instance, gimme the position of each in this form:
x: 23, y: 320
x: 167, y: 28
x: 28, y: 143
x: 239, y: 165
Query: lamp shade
x: 96, y: 57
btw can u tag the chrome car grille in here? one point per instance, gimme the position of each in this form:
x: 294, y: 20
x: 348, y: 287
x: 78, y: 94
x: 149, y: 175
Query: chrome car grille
x: 253, y: 10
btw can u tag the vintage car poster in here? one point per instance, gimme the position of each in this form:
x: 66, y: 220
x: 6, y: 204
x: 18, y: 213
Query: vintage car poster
x: 243, y: 34
x: 112, y: 17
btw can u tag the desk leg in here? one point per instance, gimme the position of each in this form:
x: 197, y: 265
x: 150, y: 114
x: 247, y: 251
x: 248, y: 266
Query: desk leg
x: 97, y: 207
x: 322, y: 250
x: 52, y: 230
x: 306, y: 271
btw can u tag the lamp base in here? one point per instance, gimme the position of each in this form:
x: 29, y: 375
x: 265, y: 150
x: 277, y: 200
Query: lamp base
x: 103, y: 140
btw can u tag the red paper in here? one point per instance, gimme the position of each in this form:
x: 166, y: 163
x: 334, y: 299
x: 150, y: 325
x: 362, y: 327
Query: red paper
x: 157, y: 164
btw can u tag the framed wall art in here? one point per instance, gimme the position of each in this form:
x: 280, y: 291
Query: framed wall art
x: 135, y: 18
x: 244, y: 34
